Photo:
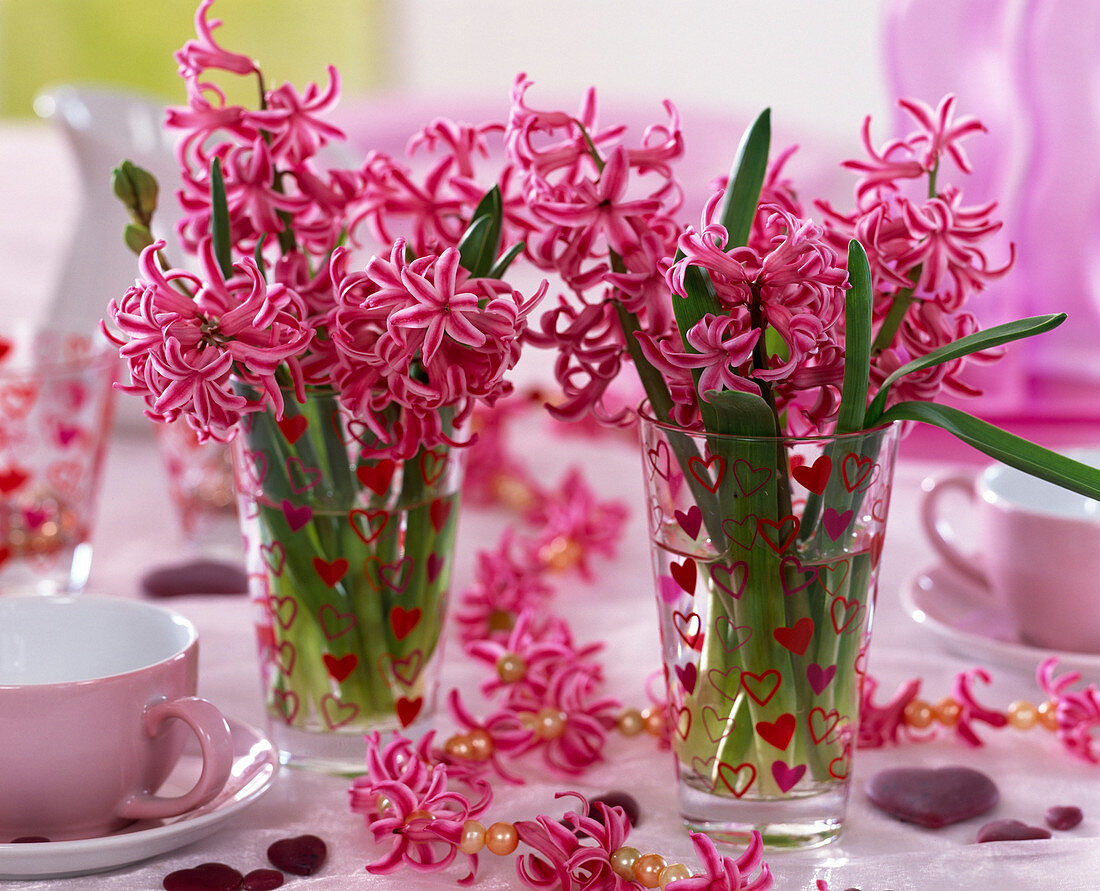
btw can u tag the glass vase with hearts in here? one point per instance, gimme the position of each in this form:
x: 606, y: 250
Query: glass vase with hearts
x: 349, y: 554
x: 765, y: 555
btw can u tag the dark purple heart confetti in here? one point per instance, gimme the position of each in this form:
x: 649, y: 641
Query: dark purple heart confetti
x: 263, y: 880
x: 301, y: 856
x: 616, y: 798
x: 195, y: 577
x: 29, y: 840
x: 932, y: 797
x: 204, y: 877
x: 1010, y: 830
x: 1063, y: 817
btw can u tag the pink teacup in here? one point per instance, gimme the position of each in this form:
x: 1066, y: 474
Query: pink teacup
x: 1037, y: 550
x: 89, y: 689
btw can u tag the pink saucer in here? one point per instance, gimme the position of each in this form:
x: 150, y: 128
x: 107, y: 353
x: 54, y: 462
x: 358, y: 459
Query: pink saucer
x: 960, y: 614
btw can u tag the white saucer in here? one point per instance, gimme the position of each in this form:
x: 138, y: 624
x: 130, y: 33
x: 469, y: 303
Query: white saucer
x: 956, y: 610
x: 254, y: 766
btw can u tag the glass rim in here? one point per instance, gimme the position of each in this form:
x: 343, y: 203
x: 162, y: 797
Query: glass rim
x: 644, y: 415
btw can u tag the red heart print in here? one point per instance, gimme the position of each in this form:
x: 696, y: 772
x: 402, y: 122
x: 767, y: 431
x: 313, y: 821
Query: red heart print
x: 254, y: 469
x: 17, y: 399
x: 819, y: 677
x: 814, y: 477
x: 797, y: 637
x: 5, y: 554
x: 737, y: 779
x: 335, y: 623
x: 11, y: 478
x: 439, y: 511
x: 330, y: 572
x: 408, y: 709
x: 395, y: 575
x: 688, y: 675
x: 761, y: 687
x: 293, y: 428
x: 700, y: 469
x: 403, y: 621
x: 875, y: 549
x: 434, y: 565
x: 66, y: 476
x: 689, y: 627
x: 285, y: 656
x: 300, y: 477
x: 778, y: 534
x: 274, y: 557
x: 822, y: 723
x: 843, y: 613
x: 841, y: 765
x: 376, y: 476
x: 284, y: 610
x: 690, y: 521
x: 407, y: 670
x: 368, y: 524
x: 832, y: 575
x: 741, y: 532
x: 337, y: 713
x: 855, y: 469
x: 733, y: 637
x: 786, y: 776
x: 684, y: 574
x: 726, y: 682
x: 340, y: 668
x: 285, y: 703
x: 5, y: 348
x: 432, y: 465
x: 297, y: 516
x: 794, y: 576
x: 659, y: 459
x: 730, y: 579
x: 680, y: 720
x: 835, y: 523
x: 778, y: 732
x: 717, y: 724
x: 750, y: 479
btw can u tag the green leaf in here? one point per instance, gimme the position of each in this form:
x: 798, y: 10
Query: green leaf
x: 480, y: 242
x: 857, y: 342
x: 964, y: 346
x: 746, y: 180
x: 505, y: 260
x: 741, y: 414
x: 1002, y: 445
x: 219, y: 220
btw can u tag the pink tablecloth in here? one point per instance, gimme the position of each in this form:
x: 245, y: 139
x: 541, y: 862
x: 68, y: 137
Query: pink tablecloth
x: 137, y: 532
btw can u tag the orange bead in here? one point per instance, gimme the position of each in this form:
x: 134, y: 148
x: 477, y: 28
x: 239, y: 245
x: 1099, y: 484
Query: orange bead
x: 551, y: 723
x: 1022, y: 715
x: 630, y: 722
x: 647, y: 870
x: 501, y: 838
x: 947, y: 711
x: 1048, y: 714
x: 511, y: 667
x: 560, y: 554
x: 919, y: 714
x: 458, y: 746
x: 501, y: 620
x: 654, y: 720
x: 622, y: 861
x: 481, y: 745
x: 673, y: 873
x: 473, y: 837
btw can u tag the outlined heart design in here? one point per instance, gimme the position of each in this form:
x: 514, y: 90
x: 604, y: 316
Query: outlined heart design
x: 786, y: 776
x: 438, y: 512
x: 717, y: 725
x: 274, y: 556
x: 741, y: 532
x: 330, y: 572
x: 340, y: 669
x: 403, y: 621
x: 797, y: 578
x: 684, y: 574
x: 691, y: 521
x: 284, y: 657
x: 396, y: 575
x: 690, y: 627
x: 408, y: 669
x: 844, y: 613
x: 337, y: 713
x: 840, y: 766
x: 726, y: 682
x: 17, y: 399
x: 818, y: 677
x: 680, y: 723
x: 822, y: 724
x: 796, y: 637
x: 701, y: 470
x: 432, y: 465
x: 659, y: 459
x: 856, y: 469
x: 297, y: 516
x: 292, y: 428
x: 779, y: 732
x: 254, y: 469
x: 301, y: 477
x: 285, y: 704
x: 65, y: 476
x: 738, y: 779
x: 335, y: 623
x: 688, y: 675
x: 730, y: 579
x: 835, y: 523
x: 284, y: 610
x: 832, y: 575
x: 407, y: 709
x: 368, y: 524
x: 750, y: 479
x: 814, y: 477
x: 778, y: 534
x: 761, y: 687
x: 733, y: 637
x: 376, y: 476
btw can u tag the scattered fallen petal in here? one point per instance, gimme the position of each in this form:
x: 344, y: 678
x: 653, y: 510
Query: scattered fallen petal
x: 1063, y: 817
x: 301, y: 856
x: 1010, y: 830
x: 932, y: 797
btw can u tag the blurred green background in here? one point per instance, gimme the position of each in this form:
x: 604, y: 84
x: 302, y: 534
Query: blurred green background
x: 131, y: 43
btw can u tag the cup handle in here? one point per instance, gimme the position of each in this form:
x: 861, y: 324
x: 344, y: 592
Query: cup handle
x: 941, y: 534
x: 215, y: 743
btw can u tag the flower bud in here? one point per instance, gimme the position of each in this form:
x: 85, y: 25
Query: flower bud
x: 137, y: 238
x: 137, y: 189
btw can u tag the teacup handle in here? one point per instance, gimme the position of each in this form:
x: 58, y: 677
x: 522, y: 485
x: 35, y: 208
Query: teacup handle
x: 941, y: 533
x: 216, y: 744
